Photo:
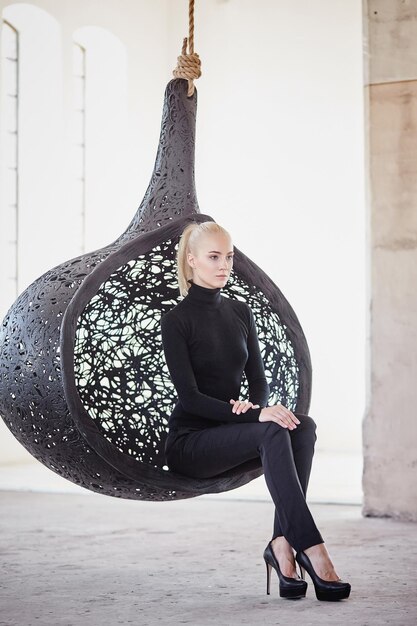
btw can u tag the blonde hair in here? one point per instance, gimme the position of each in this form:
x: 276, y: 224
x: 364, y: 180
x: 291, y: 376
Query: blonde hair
x: 188, y: 243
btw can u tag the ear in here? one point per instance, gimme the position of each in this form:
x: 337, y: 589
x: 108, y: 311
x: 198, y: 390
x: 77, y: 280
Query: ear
x: 190, y: 259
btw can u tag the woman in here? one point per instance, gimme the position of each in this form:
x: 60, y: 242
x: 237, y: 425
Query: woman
x: 209, y: 340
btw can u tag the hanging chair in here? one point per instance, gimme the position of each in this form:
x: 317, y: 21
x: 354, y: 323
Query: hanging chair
x: 84, y: 384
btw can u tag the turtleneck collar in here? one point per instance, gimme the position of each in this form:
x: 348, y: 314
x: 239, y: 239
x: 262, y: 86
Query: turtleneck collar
x: 204, y: 296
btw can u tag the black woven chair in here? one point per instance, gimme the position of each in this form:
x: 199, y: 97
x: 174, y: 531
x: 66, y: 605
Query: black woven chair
x: 84, y: 384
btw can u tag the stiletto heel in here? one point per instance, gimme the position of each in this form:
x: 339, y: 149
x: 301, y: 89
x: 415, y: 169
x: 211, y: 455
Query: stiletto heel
x: 325, y: 589
x: 302, y: 572
x: 268, y: 577
x: 288, y: 587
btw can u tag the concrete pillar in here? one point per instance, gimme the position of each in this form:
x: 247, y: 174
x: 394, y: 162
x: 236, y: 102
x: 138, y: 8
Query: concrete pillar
x: 390, y: 425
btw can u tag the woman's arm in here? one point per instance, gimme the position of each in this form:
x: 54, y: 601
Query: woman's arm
x: 182, y: 375
x: 254, y: 368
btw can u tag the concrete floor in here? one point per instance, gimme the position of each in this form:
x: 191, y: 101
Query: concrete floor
x: 87, y: 559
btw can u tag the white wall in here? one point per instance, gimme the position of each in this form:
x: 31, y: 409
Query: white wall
x: 279, y: 159
x: 122, y: 136
x: 280, y: 163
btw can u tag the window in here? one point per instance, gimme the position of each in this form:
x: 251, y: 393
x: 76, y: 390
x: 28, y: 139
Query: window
x: 9, y: 218
x: 79, y: 64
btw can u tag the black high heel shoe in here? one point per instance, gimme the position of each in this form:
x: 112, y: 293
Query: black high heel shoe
x: 288, y: 587
x: 325, y: 589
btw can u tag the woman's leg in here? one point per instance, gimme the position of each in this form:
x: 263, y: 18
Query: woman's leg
x: 303, y: 439
x: 211, y: 451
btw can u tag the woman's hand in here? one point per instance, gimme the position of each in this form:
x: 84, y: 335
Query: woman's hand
x: 241, y: 406
x: 279, y: 414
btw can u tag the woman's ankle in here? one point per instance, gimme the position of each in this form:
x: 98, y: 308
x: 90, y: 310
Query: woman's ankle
x: 284, y: 554
x: 281, y: 544
x: 279, y: 540
x: 318, y: 548
x: 320, y: 557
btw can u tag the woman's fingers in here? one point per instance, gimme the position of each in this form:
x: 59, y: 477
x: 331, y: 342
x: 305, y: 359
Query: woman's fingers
x: 286, y: 423
x: 247, y: 406
x: 281, y: 418
x: 287, y: 415
x: 241, y: 406
x: 280, y: 415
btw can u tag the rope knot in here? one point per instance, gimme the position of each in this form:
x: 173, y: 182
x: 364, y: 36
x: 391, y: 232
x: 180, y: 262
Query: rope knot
x: 188, y: 67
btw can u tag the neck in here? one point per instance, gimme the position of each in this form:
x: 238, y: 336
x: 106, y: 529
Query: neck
x: 204, y: 296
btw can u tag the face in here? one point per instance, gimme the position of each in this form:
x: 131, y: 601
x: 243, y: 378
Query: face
x: 212, y: 261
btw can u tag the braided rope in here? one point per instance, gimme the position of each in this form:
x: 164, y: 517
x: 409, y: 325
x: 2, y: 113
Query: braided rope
x: 189, y: 64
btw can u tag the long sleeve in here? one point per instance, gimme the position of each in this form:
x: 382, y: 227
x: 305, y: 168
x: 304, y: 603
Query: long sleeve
x: 182, y: 375
x: 254, y: 368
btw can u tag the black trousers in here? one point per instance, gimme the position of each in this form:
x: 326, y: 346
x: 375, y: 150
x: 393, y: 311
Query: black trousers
x: 286, y: 457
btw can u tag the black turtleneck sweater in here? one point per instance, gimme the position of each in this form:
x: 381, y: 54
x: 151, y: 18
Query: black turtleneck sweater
x: 209, y: 340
